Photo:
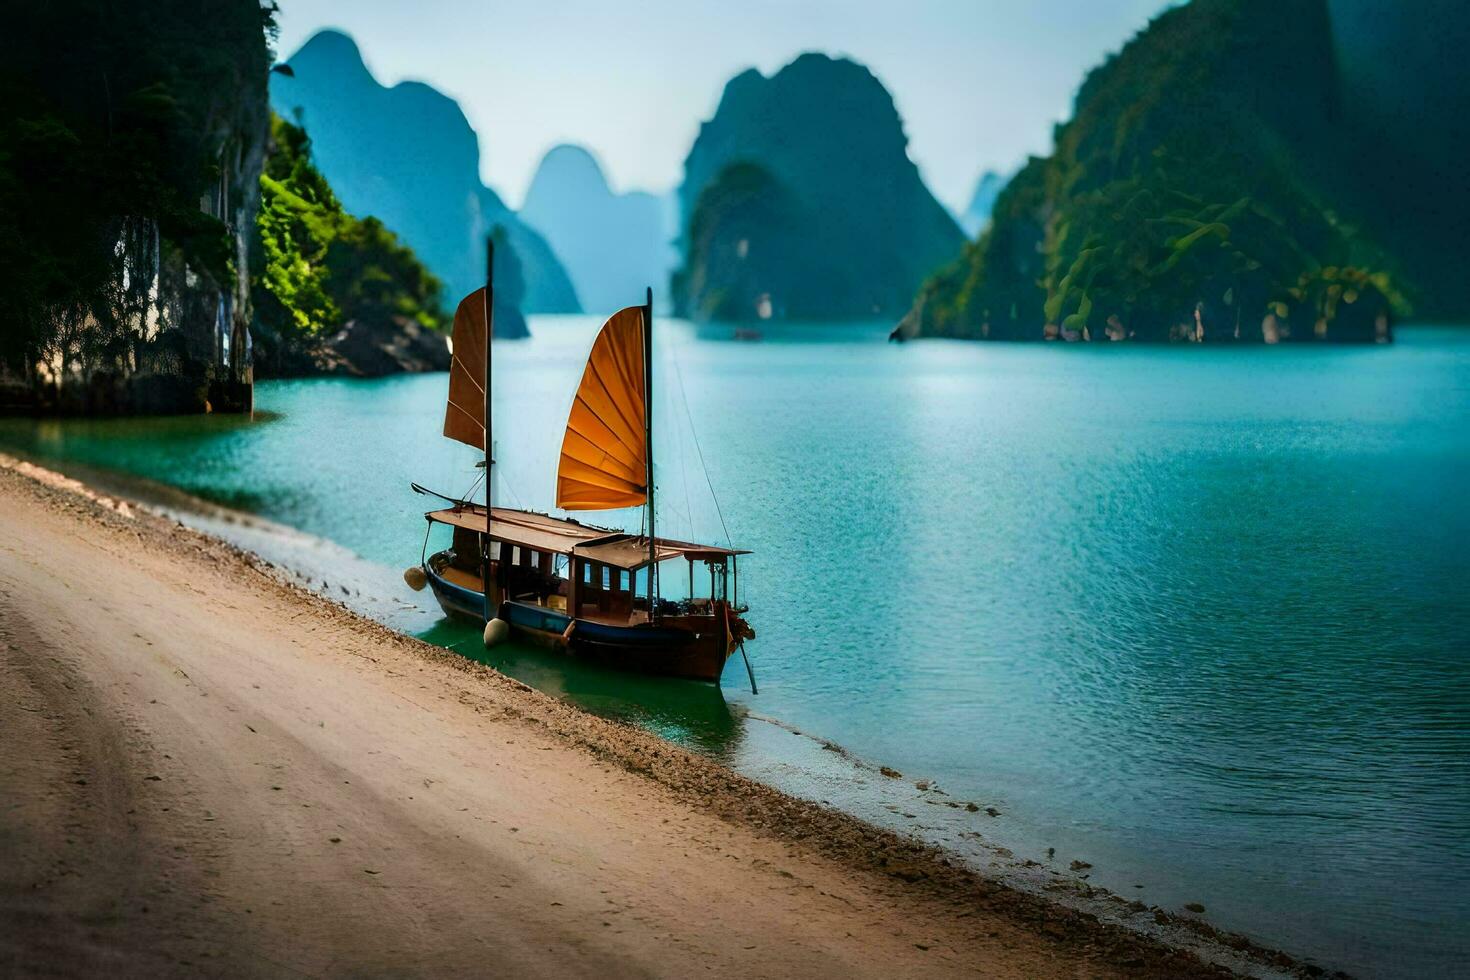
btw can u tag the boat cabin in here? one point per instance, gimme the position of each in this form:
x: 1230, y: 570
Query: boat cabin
x: 577, y: 570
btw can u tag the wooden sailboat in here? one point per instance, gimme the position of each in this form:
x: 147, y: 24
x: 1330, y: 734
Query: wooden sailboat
x: 557, y: 581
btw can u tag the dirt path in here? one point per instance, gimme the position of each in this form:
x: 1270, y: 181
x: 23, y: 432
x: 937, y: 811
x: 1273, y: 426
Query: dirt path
x: 208, y: 771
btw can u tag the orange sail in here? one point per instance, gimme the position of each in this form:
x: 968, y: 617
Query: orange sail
x: 464, y: 416
x: 604, y: 455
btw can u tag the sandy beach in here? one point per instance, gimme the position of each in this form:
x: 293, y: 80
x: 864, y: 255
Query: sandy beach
x: 210, y: 771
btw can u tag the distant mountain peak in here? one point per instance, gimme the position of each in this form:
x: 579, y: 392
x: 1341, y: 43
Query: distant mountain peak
x: 748, y: 79
x: 985, y: 188
x: 818, y: 61
x: 613, y: 245
x: 330, y: 57
x: 332, y: 47
x: 408, y: 155
x: 571, y: 163
x: 982, y: 202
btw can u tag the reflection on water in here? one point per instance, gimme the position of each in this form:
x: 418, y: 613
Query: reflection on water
x: 192, y: 453
x: 690, y: 713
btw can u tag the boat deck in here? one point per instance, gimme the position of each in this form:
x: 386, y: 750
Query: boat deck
x: 462, y: 578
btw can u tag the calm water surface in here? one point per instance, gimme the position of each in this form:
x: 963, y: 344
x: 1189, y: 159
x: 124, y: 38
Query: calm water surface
x: 1198, y: 618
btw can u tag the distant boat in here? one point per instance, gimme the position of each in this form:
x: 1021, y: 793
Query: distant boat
x: 559, y: 582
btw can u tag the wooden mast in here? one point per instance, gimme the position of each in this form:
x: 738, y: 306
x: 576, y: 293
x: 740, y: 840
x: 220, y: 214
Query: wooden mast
x: 648, y: 443
x: 485, y: 546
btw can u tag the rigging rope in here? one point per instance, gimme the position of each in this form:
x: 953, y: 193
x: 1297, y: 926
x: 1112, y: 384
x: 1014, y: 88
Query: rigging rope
x: 684, y: 478
x: 504, y: 482
x: 510, y: 489
x: 473, y: 486
x: 683, y: 396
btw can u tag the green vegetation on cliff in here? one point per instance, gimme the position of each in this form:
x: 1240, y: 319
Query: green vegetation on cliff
x: 131, y: 138
x: 407, y: 155
x: 320, y: 269
x: 847, y: 228
x: 1209, y: 186
x: 319, y: 266
x: 740, y: 247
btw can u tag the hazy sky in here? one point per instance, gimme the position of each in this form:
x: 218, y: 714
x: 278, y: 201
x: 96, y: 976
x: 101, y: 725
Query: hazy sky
x: 979, y: 83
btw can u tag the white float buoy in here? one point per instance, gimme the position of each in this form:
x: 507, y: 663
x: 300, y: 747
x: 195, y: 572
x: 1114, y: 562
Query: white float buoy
x: 415, y: 577
x: 495, y: 632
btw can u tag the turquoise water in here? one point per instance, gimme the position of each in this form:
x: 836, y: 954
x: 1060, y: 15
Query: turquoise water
x: 1196, y: 617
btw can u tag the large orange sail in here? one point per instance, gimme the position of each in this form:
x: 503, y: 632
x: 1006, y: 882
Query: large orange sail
x: 604, y: 455
x: 464, y: 416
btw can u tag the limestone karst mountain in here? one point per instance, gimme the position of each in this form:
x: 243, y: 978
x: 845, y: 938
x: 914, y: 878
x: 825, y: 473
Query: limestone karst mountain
x: 131, y: 145
x: 408, y: 156
x: 1406, y: 83
x: 612, y: 245
x: 1193, y: 196
x: 846, y: 227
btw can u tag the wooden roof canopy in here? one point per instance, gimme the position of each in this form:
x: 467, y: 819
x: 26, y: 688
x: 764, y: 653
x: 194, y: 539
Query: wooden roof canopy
x: 563, y: 536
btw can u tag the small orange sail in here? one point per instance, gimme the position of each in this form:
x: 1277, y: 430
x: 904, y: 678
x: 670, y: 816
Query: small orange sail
x: 464, y: 416
x: 604, y: 455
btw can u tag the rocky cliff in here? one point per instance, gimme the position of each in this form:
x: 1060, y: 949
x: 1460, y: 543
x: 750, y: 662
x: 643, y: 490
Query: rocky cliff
x: 131, y: 144
x: 799, y: 201
x: 408, y: 156
x: 1217, y: 182
x: 613, y: 245
x: 1405, y: 80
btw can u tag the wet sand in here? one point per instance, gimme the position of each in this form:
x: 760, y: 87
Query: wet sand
x: 209, y: 770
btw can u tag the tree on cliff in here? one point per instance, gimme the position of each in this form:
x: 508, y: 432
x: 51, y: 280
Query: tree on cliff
x: 1207, y: 187
x: 319, y: 267
x: 742, y: 227
x: 407, y: 155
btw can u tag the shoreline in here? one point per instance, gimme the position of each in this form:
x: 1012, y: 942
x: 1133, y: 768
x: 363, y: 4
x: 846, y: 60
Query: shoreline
x: 916, y: 883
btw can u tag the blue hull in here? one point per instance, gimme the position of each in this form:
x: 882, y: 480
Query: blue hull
x: 456, y: 600
x: 664, y: 651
